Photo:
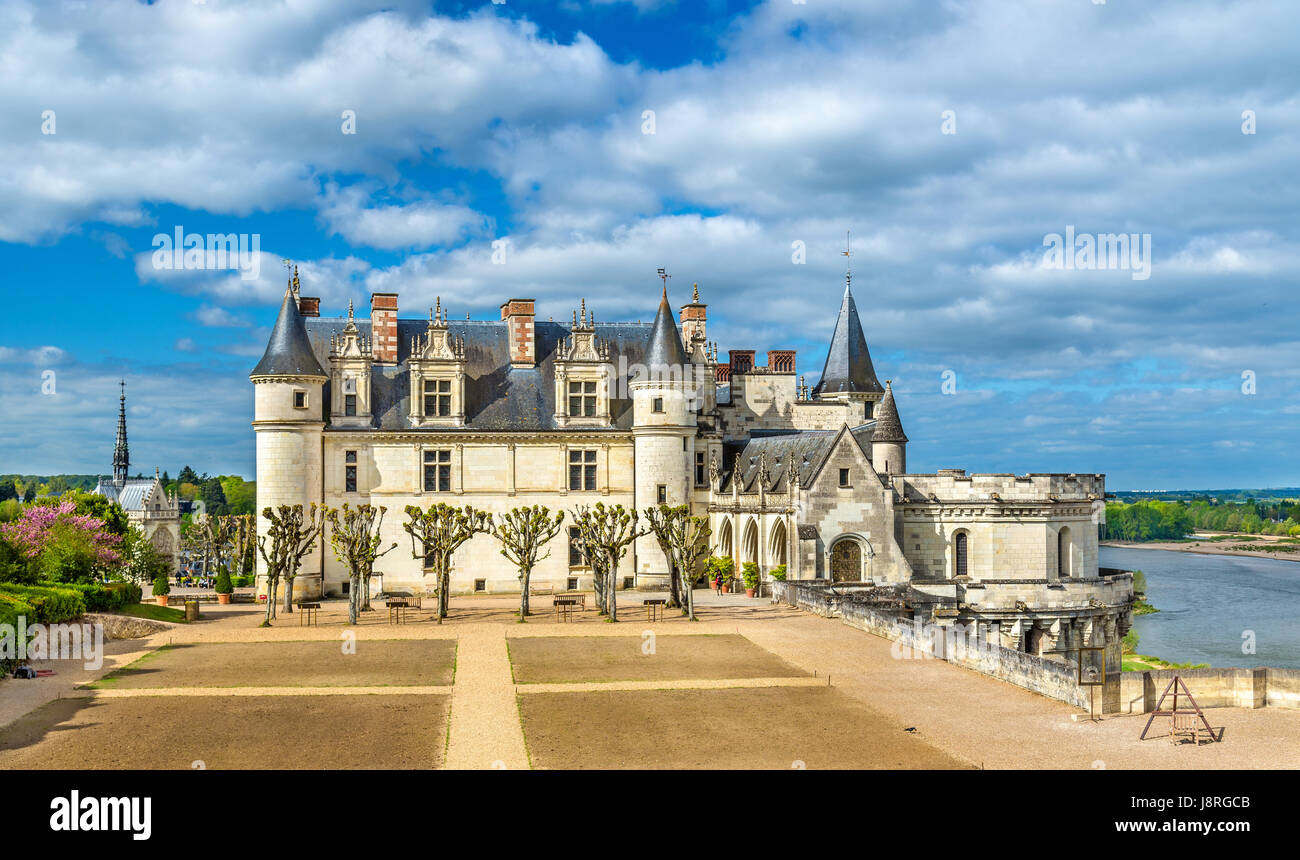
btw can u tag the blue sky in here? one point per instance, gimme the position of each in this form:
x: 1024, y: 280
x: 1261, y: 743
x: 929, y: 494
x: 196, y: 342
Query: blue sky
x: 774, y: 123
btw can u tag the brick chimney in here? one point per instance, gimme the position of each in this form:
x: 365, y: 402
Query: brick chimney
x: 383, y: 326
x: 780, y: 360
x: 309, y: 306
x: 518, y: 316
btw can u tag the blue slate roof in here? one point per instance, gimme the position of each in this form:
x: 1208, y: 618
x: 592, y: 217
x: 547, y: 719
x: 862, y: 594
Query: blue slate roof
x: 497, y: 396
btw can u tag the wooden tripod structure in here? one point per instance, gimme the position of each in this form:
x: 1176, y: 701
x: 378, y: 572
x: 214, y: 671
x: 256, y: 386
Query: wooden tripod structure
x: 1174, y: 685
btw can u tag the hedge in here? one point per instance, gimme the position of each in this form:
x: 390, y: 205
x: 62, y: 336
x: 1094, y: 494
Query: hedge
x: 48, y: 604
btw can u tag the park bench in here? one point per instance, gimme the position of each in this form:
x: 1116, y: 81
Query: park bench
x: 654, y: 607
x: 397, y: 607
x: 307, y: 612
x: 548, y: 588
x: 579, y: 598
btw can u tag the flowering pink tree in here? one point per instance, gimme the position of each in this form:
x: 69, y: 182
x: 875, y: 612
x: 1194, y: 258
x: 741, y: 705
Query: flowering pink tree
x: 61, y: 544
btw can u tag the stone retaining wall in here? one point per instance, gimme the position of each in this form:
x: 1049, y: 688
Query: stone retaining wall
x: 1214, y: 688
x: 1051, y: 678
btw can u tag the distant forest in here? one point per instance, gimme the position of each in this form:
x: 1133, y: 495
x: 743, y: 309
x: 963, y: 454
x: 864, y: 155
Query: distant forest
x: 1175, y: 520
x: 221, y: 494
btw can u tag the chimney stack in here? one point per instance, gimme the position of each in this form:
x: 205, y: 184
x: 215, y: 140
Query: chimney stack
x: 309, y: 306
x: 383, y: 327
x: 518, y: 316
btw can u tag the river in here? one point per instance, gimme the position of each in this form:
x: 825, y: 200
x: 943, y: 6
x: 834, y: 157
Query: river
x: 1207, y: 603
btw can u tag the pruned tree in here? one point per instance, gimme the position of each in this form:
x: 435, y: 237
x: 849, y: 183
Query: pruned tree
x: 685, y: 541
x: 292, y: 534
x: 523, y: 532
x: 355, y: 534
x: 242, y: 541
x: 437, y: 533
x: 212, y: 538
x: 606, y: 533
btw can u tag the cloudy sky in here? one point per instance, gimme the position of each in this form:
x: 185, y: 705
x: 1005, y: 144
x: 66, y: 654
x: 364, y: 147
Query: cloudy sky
x: 606, y: 138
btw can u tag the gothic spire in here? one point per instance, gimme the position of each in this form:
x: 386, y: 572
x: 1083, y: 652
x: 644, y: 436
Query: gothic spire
x: 848, y: 363
x: 121, y: 454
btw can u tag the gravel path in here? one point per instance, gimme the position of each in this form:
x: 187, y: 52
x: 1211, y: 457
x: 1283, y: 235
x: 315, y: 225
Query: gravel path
x: 485, y: 731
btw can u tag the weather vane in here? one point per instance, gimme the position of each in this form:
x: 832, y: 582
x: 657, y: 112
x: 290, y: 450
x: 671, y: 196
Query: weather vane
x: 847, y: 253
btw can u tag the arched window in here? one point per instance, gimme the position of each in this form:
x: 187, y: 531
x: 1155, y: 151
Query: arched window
x: 959, y: 548
x: 1063, y: 552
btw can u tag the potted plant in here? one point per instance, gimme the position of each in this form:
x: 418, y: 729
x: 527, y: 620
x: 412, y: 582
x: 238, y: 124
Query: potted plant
x: 719, y: 568
x: 750, y: 574
x: 224, y: 587
x: 778, y: 573
x: 161, y: 588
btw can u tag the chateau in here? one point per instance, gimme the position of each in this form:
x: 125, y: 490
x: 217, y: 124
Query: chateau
x: 520, y: 411
x: 146, y: 502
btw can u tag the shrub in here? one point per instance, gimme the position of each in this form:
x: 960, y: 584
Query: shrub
x: 223, y: 584
x: 720, y: 567
x: 161, y: 586
x: 778, y: 573
x: 107, y: 596
x: 243, y: 581
x: 749, y: 571
x: 47, y: 604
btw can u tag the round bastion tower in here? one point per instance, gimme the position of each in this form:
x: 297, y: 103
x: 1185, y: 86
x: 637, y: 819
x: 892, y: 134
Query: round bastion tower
x: 663, y: 435
x: 288, y: 419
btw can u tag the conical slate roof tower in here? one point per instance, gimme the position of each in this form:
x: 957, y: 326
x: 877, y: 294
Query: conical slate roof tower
x: 848, y: 363
x: 289, y: 351
x: 665, y: 347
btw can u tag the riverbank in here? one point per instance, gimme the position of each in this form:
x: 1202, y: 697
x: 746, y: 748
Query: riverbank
x: 1216, y: 543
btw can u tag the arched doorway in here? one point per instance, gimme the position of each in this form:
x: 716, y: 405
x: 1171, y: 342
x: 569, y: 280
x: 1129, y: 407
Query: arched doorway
x: 778, y: 544
x: 846, y: 561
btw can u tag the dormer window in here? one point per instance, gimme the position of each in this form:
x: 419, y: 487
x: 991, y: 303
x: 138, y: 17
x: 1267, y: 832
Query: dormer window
x: 582, y: 399
x: 437, y: 398
x: 438, y: 375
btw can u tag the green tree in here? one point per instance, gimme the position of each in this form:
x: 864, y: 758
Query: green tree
x: 355, y: 534
x: 684, y: 539
x: 607, y: 532
x: 523, y: 532
x: 436, y: 534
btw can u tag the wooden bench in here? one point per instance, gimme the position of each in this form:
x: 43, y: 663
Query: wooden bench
x: 564, y: 607
x: 549, y: 589
x: 1185, y: 725
x: 397, y: 607
x: 578, y: 597
x: 307, y: 613
x: 654, y: 607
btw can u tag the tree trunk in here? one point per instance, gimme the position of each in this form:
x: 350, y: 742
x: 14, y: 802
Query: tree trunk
x: 612, y: 585
x: 288, y: 595
x: 353, y: 601
x: 523, y: 599
x: 674, y: 586
x: 270, y: 597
